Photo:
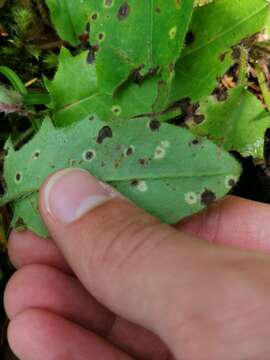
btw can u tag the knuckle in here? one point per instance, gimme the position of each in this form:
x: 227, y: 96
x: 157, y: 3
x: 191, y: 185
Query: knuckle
x: 119, y: 237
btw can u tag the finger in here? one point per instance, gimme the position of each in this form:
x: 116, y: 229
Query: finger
x: 59, y: 293
x: 26, y: 248
x: 127, y: 259
x: 41, y: 286
x: 41, y: 335
x: 232, y: 221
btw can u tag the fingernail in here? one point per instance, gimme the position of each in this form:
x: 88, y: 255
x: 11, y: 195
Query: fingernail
x: 71, y: 193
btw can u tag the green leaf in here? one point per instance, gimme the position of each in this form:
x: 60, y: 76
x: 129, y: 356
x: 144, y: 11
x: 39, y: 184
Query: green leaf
x: 130, y: 34
x: 14, y: 79
x: 69, y: 18
x: 137, y: 34
x: 239, y: 123
x: 75, y: 93
x: 162, y: 168
x: 214, y: 29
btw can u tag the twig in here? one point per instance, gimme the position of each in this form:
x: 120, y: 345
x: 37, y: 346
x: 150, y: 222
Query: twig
x: 263, y: 85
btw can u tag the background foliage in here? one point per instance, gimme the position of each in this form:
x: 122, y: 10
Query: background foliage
x: 103, y: 67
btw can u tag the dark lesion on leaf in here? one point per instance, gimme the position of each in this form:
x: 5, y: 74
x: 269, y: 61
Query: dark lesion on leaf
x: 91, y: 56
x: 104, y: 133
x: 89, y: 155
x: 154, y: 125
x: 207, y: 197
x: 143, y: 162
x: 198, y: 118
x: 134, y: 182
x: 130, y: 151
x: 94, y: 16
x: 18, y: 176
x: 108, y: 2
x: 190, y: 38
x: 194, y: 142
x: 124, y: 11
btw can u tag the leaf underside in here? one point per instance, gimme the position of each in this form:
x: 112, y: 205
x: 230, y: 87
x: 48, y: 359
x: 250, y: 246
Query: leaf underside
x: 164, y: 169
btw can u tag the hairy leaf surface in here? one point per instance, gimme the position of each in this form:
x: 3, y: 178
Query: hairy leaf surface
x: 162, y: 168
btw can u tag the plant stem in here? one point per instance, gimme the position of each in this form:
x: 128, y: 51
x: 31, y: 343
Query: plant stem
x: 263, y: 86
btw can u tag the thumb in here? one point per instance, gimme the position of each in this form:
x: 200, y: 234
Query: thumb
x: 139, y: 268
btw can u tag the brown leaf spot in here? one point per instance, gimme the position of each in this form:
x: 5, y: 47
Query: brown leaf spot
x: 143, y: 162
x: 190, y: 38
x: 208, y: 197
x: 124, y: 11
x: 130, y: 151
x: 154, y: 125
x: 108, y: 2
x: 198, y: 119
x: 134, y: 182
x: 105, y: 132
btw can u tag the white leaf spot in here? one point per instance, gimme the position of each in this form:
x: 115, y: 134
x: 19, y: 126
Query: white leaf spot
x: 191, y: 198
x: 89, y: 155
x: 142, y: 186
x: 159, y: 153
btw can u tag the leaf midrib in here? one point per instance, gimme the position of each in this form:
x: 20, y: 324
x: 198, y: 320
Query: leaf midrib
x: 27, y: 192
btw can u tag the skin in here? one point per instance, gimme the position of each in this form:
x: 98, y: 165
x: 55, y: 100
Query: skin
x: 117, y: 285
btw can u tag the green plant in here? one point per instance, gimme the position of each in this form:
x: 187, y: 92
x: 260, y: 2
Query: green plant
x: 130, y: 67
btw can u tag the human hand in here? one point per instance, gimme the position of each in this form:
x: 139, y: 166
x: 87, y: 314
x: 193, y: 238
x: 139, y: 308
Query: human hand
x: 128, y: 281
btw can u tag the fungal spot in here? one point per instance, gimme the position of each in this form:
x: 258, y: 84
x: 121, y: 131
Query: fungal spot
x: 130, y: 151
x: 90, y: 57
x: 104, y: 133
x: 157, y: 10
x: 108, y: 3
x: 18, y: 177
x: 222, y: 57
x: 194, y: 142
x: 101, y: 36
x: 92, y: 117
x: 207, y: 197
x: 134, y: 182
x: 36, y: 154
x: 191, y: 198
x: 154, y: 125
x: 142, y: 186
x: 230, y: 181
x: 89, y: 155
x: 190, y: 38
x: 159, y: 153
x: 198, y: 119
x: 94, y: 16
x: 173, y: 32
x: 143, y: 162
x: 116, y: 110
x: 123, y: 11
x: 84, y: 37
x: 165, y: 144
